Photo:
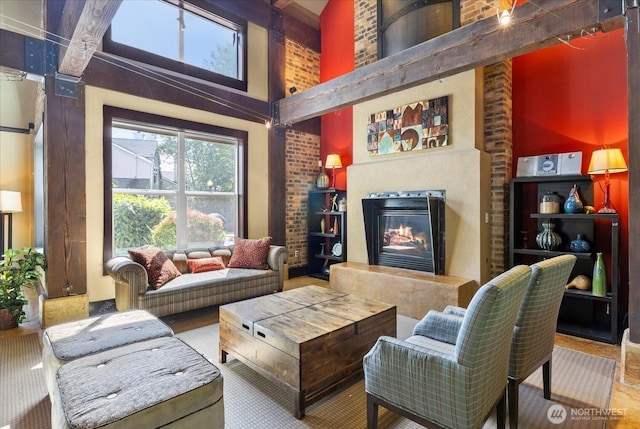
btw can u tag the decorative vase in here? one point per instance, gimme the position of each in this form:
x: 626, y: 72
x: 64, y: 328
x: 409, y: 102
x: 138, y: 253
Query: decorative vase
x: 548, y: 239
x: 322, y: 225
x: 322, y: 182
x: 335, y: 225
x: 599, y: 281
x: 579, y: 245
x: 573, y: 204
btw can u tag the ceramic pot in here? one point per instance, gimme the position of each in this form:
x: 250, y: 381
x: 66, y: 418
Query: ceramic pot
x: 579, y: 245
x: 7, y: 319
x: 573, y: 204
x: 548, y: 239
x: 549, y: 203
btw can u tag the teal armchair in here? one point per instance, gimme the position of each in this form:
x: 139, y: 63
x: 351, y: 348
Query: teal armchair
x: 534, y: 332
x: 453, y: 384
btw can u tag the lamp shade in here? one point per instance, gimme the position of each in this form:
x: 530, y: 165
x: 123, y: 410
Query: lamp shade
x: 607, y: 160
x: 333, y: 161
x: 10, y: 202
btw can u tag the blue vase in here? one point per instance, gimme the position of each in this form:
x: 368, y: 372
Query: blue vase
x: 573, y: 204
x: 579, y: 245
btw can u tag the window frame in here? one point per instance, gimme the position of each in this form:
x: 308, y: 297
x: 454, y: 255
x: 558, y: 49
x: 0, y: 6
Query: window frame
x: 206, y: 11
x: 115, y: 114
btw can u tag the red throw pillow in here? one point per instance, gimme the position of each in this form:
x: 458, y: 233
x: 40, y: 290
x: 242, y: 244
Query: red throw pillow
x: 250, y: 253
x: 160, y: 269
x: 205, y: 264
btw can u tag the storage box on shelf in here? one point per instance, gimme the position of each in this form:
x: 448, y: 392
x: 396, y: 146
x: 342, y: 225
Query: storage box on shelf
x: 582, y: 313
x: 329, y: 246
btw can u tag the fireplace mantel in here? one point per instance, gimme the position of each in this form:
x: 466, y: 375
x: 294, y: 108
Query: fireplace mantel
x: 413, y: 292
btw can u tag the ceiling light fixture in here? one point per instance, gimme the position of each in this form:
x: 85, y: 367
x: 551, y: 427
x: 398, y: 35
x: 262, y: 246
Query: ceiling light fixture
x: 504, y: 17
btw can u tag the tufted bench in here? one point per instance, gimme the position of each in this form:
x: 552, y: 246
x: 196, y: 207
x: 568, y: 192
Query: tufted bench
x: 72, y: 340
x: 161, y: 382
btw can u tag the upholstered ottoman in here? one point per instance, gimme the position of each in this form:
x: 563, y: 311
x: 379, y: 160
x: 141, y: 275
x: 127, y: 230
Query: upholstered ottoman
x: 69, y: 341
x: 157, y: 383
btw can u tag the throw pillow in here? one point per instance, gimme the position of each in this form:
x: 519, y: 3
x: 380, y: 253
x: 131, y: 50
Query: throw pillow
x: 205, y: 264
x: 250, y: 253
x: 160, y: 269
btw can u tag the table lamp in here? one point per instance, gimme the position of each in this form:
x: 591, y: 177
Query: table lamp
x: 10, y: 202
x: 333, y: 162
x: 607, y: 161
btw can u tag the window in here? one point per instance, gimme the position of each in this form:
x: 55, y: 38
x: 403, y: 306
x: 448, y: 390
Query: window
x: 172, y: 186
x: 188, y: 40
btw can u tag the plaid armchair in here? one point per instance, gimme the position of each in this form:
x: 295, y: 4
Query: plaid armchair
x: 534, y: 332
x: 450, y: 384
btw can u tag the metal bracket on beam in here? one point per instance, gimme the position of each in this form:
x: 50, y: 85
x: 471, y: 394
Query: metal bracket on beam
x: 39, y: 57
x: 277, y: 37
x: 609, y: 9
x: 275, y: 113
x: 66, y: 86
x: 34, y: 56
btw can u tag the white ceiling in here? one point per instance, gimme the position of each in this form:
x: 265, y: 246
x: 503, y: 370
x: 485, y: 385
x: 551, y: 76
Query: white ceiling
x: 315, y: 6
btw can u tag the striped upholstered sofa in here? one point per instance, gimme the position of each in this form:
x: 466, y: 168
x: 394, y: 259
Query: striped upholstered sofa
x: 195, y: 290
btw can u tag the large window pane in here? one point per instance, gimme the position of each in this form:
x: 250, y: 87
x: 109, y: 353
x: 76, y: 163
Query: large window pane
x: 210, y: 46
x: 210, y: 166
x: 137, y: 22
x: 214, y: 44
x: 140, y: 220
x: 172, y: 189
x: 143, y: 159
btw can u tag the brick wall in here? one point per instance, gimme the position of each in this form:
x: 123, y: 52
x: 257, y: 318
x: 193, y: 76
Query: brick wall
x: 302, y: 153
x: 497, y: 111
x: 366, y: 32
x: 498, y: 140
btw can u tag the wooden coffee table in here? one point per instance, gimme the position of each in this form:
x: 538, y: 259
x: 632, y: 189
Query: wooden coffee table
x: 308, y: 340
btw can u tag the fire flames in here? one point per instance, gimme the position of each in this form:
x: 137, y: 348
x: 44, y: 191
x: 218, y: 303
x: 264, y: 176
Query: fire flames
x: 403, y: 237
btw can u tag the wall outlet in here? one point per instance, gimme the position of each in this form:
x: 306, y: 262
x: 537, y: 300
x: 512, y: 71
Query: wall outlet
x: 296, y: 253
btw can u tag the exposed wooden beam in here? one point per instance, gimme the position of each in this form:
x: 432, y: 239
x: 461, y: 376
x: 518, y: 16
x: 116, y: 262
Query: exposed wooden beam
x: 484, y: 42
x: 83, y: 24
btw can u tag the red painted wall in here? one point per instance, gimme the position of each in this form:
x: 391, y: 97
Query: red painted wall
x: 337, y: 58
x: 568, y: 99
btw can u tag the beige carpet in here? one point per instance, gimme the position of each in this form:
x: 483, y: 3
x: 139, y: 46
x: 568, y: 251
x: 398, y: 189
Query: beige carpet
x: 24, y: 402
x: 579, y: 381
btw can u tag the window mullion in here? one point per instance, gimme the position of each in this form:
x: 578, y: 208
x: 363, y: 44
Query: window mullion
x: 181, y: 24
x: 181, y: 198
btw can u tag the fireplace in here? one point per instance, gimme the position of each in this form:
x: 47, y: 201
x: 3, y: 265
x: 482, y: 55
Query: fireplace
x: 405, y: 229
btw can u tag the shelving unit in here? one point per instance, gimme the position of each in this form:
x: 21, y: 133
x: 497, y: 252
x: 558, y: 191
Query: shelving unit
x: 319, y: 207
x: 581, y: 313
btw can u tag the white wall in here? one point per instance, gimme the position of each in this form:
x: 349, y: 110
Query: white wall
x: 462, y: 169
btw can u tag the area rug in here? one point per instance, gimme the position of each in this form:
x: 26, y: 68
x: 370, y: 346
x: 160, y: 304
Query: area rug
x: 24, y: 400
x: 581, y: 386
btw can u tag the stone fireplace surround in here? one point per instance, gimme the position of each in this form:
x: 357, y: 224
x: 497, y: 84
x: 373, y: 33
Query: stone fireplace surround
x: 462, y: 170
